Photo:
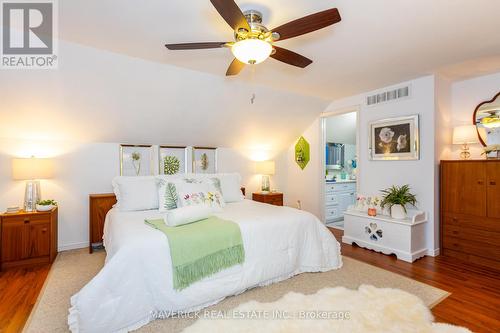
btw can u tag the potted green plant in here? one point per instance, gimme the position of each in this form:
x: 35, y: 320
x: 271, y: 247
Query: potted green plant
x: 396, y: 198
x: 492, y: 152
x: 45, y: 205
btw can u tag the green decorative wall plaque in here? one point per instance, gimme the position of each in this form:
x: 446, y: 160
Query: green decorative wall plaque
x: 302, y: 152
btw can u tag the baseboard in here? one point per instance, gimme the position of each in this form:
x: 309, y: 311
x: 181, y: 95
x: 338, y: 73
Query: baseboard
x: 72, y: 246
x: 433, y: 253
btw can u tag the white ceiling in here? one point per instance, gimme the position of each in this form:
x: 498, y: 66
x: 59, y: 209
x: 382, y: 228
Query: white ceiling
x: 99, y: 96
x: 377, y: 43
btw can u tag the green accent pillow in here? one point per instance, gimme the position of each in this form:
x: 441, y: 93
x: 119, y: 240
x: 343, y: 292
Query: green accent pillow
x: 170, y: 196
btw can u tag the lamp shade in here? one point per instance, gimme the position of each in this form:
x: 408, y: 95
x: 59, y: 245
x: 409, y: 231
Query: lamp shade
x: 252, y: 51
x: 265, y: 167
x: 465, y: 134
x: 32, y: 168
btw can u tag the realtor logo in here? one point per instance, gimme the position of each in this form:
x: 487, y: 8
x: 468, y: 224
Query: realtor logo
x: 28, y: 34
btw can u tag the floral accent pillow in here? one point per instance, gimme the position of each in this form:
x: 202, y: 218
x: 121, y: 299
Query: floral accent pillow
x: 190, y: 192
x: 212, y: 199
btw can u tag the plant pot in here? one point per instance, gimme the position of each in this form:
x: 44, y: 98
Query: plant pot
x: 372, y: 211
x: 44, y: 208
x: 398, y: 212
x: 494, y: 155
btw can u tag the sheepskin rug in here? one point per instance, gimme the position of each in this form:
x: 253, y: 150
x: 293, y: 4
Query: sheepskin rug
x: 367, y: 309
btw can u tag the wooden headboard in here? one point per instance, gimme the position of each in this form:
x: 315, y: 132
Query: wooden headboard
x: 99, y: 206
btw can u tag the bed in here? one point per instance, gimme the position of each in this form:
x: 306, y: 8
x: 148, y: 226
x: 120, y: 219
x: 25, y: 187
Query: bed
x: 136, y: 280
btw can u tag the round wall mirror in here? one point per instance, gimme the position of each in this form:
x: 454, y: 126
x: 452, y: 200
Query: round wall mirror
x: 487, y: 120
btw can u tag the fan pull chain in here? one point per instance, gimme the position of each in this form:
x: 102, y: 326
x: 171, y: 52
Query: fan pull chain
x: 252, y: 82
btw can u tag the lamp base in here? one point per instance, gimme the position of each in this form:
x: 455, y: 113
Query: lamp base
x: 31, y: 195
x: 465, y: 154
x: 266, y: 184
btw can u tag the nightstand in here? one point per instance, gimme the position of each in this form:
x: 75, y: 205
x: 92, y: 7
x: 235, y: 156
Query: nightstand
x: 28, y: 238
x: 273, y: 198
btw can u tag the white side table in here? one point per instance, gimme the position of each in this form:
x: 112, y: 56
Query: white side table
x: 405, y: 238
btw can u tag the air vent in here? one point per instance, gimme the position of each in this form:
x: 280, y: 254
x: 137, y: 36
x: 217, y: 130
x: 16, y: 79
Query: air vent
x: 388, y: 96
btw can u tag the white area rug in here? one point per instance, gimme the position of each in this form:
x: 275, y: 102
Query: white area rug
x: 367, y: 309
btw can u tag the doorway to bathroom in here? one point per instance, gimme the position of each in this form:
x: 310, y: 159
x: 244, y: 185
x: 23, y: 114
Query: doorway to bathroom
x: 340, y: 142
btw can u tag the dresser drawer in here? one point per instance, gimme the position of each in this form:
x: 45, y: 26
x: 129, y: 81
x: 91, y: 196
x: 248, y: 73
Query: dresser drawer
x: 474, y: 222
x: 332, y: 213
x: 331, y: 200
x: 476, y: 235
x: 340, y: 187
x: 32, y: 219
x: 479, y: 249
x: 276, y: 202
x: 272, y: 198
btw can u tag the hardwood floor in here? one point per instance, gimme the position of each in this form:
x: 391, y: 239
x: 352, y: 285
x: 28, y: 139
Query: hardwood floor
x: 19, y: 289
x: 474, y: 302
x: 475, y: 290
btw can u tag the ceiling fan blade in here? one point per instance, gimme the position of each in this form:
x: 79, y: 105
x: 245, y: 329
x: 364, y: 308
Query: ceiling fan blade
x: 235, y: 67
x: 230, y: 12
x: 308, y: 24
x: 290, y: 57
x: 195, y: 46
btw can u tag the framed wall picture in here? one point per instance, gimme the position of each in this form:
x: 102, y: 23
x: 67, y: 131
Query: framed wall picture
x: 395, y: 139
x: 136, y: 160
x: 172, y: 160
x: 204, y: 160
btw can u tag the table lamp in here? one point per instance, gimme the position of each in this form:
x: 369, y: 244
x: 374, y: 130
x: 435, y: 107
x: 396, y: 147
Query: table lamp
x: 464, y: 135
x: 32, y: 170
x: 265, y: 168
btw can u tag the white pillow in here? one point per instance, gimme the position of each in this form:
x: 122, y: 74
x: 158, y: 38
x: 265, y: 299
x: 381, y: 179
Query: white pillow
x: 188, y: 191
x: 188, y: 214
x: 192, y: 192
x: 136, y: 193
x: 167, y: 193
x: 231, y: 186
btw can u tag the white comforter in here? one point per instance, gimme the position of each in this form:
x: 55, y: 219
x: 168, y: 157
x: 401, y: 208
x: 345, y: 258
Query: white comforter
x: 137, y: 278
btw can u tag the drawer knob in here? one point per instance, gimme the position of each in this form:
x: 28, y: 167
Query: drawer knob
x: 480, y: 182
x: 493, y: 182
x: 26, y: 220
x: 44, y: 230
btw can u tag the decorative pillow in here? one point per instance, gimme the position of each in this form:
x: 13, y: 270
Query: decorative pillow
x: 188, y: 192
x: 228, y: 184
x: 167, y: 195
x: 136, y: 193
x: 201, y: 198
x: 188, y: 214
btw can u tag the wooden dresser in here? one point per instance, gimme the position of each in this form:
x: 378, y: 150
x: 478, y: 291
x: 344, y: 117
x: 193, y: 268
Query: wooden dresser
x: 99, y: 206
x: 28, y: 238
x: 470, y: 211
x: 273, y: 198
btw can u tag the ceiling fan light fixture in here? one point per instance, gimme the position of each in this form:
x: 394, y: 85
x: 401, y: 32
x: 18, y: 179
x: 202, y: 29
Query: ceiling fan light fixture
x: 252, y: 51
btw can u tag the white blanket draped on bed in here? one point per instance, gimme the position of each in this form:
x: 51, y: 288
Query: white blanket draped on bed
x: 137, y: 278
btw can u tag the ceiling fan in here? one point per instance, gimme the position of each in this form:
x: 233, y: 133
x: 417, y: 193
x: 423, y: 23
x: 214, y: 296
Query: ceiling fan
x: 254, y: 43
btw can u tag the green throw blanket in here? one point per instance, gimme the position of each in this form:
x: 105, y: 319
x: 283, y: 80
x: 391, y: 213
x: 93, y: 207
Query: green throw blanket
x: 202, y: 248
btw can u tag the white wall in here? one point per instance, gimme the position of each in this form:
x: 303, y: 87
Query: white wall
x: 465, y: 96
x: 341, y: 128
x: 301, y: 184
x: 374, y: 176
x: 85, y: 168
